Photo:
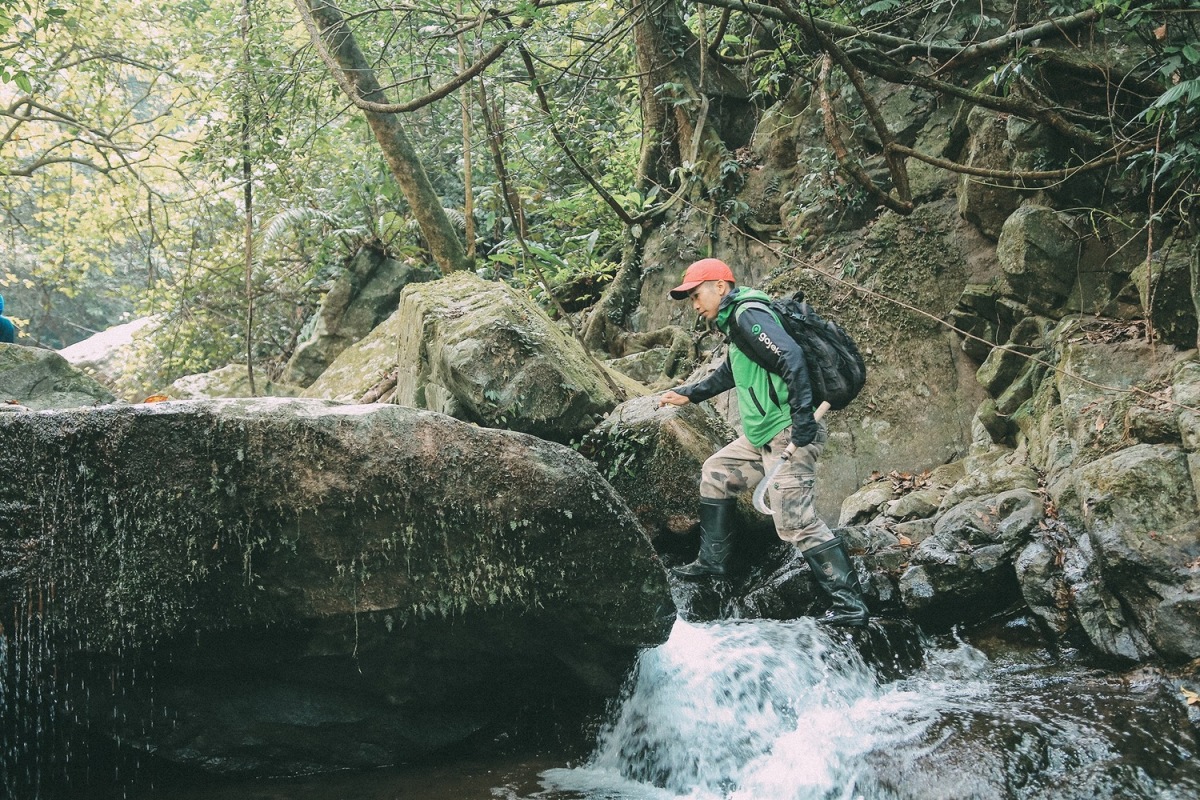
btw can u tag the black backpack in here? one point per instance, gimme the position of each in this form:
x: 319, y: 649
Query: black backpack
x: 836, y: 369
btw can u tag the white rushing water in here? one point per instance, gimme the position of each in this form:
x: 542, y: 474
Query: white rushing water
x: 755, y: 710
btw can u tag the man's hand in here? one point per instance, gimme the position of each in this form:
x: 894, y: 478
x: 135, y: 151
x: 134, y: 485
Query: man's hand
x: 673, y: 398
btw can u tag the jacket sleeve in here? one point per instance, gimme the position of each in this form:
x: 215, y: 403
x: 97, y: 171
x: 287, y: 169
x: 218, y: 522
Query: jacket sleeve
x: 772, y: 347
x: 721, y: 380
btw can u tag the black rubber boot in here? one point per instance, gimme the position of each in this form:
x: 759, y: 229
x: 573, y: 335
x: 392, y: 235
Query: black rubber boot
x: 835, y: 574
x: 716, y: 540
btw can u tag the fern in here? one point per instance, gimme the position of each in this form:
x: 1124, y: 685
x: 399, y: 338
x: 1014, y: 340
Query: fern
x: 289, y: 218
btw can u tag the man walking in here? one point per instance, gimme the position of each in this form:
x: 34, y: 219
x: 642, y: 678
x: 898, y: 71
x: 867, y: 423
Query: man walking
x: 767, y: 369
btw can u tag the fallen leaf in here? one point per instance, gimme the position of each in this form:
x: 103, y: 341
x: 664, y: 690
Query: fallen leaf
x: 904, y: 541
x: 1160, y: 33
x: 1193, y: 699
x: 156, y: 398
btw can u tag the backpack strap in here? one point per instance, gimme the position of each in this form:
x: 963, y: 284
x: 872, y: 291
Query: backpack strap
x: 735, y: 334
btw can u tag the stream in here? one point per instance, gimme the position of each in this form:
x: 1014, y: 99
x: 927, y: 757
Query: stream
x: 769, y: 710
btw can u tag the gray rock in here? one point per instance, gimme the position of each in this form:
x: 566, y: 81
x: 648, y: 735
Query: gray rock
x: 653, y: 456
x: 999, y: 369
x: 646, y: 366
x: 228, y: 381
x: 483, y: 353
x: 363, y: 296
x: 991, y: 426
x: 917, y: 504
x: 121, y: 357
x: 1141, y: 512
x: 1100, y: 614
x: 964, y: 569
x: 1038, y: 250
x: 1171, y: 310
x: 864, y: 504
x: 1039, y: 572
x: 334, y: 574
x: 984, y: 203
x: 916, y: 531
x: 1152, y: 426
x: 990, y: 479
x: 42, y: 379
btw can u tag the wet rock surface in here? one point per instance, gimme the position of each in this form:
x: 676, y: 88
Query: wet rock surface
x: 304, y: 585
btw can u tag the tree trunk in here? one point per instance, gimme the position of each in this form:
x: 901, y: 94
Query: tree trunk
x: 693, y: 111
x: 439, y: 233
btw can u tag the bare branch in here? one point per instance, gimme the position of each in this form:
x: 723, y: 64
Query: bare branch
x: 348, y: 86
x: 562, y: 143
x: 845, y: 161
x: 1019, y: 176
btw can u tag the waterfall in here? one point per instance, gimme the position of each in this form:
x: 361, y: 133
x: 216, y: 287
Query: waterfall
x: 750, y: 710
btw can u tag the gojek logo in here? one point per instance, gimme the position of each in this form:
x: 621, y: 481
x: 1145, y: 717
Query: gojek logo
x: 766, y: 340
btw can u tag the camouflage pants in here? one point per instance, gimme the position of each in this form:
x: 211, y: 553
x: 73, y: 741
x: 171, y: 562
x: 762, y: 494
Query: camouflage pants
x: 740, y: 466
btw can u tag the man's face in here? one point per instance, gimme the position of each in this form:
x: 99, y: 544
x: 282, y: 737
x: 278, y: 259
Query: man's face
x: 706, y: 298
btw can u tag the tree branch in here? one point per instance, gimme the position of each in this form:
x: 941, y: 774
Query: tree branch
x: 562, y: 143
x: 348, y: 86
x: 850, y: 165
x: 1032, y: 175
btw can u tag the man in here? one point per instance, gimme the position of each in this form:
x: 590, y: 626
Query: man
x: 767, y: 368
x: 8, y: 332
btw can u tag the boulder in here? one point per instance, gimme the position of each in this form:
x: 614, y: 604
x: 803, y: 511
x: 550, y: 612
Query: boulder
x: 1001, y: 475
x: 116, y: 357
x: 917, y: 504
x: 986, y: 203
x: 228, y: 381
x: 1141, y: 512
x: 363, y: 296
x: 302, y: 585
x: 42, y: 379
x: 1039, y: 572
x: 653, y: 456
x: 1000, y: 369
x: 1038, y: 249
x: 1160, y: 283
x: 1185, y: 390
x: 1102, y: 616
x: 866, y: 503
x: 966, y: 566
x: 484, y: 353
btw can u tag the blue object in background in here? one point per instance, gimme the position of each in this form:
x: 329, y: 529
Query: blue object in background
x: 8, y: 332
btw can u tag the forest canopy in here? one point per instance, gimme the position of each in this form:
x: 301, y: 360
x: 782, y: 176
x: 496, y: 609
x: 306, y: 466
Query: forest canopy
x: 219, y: 162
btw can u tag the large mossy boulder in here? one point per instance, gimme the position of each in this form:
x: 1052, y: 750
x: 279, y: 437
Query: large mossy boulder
x: 42, y: 379
x: 363, y: 296
x: 1164, y: 284
x: 1140, y: 508
x: 991, y: 145
x: 653, y: 457
x: 484, y: 353
x: 303, y: 585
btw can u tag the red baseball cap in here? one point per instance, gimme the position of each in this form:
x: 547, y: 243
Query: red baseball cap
x: 706, y: 269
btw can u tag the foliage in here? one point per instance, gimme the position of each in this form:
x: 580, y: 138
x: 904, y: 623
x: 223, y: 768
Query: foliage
x: 123, y: 195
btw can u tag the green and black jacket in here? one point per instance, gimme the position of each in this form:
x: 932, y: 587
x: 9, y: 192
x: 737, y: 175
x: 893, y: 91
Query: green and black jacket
x: 767, y: 368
